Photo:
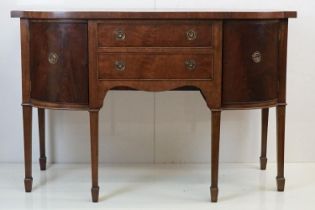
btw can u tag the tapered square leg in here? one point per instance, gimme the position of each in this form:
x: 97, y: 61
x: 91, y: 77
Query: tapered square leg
x: 280, y: 183
x: 42, y: 147
x: 215, y: 140
x: 27, y: 128
x: 94, y: 153
x: 214, y: 194
x: 95, y: 193
x: 280, y: 147
x: 264, y: 132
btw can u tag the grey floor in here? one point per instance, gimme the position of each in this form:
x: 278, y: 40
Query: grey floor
x: 241, y: 186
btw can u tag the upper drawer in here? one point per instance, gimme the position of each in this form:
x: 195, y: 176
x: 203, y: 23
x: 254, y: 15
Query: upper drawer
x: 155, y: 34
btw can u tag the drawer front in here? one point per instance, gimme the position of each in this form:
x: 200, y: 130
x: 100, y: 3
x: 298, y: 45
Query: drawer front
x: 155, y: 66
x: 155, y: 33
x: 250, y: 61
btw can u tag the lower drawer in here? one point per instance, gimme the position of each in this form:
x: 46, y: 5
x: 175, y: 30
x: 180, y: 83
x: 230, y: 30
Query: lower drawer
x: 155, y: 66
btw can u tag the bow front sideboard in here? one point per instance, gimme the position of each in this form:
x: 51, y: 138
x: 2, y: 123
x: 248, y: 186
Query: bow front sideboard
x: 70, y: 60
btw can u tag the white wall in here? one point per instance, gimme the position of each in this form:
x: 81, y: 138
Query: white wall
x: 167, y: 127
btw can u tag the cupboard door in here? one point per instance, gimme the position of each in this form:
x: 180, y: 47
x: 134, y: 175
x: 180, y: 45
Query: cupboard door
x: 59, y: 62
x: 250, y: 62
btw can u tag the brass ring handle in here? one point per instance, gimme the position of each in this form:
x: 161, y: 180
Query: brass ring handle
x: 191, y: 35
x: 190, y: 64
x: 120, y: 65
x: 256, y: 57
x: 120, y: 35
x: 53, y: 58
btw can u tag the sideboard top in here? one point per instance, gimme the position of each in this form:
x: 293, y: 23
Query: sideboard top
x: 151, y: 15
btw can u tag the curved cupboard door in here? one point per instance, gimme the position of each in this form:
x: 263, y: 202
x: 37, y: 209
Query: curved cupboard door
x: 59, y: 64
x: 250, y: 67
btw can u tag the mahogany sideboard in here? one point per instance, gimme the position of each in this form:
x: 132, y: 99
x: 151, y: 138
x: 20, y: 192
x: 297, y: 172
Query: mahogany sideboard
x: 237, y: 60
